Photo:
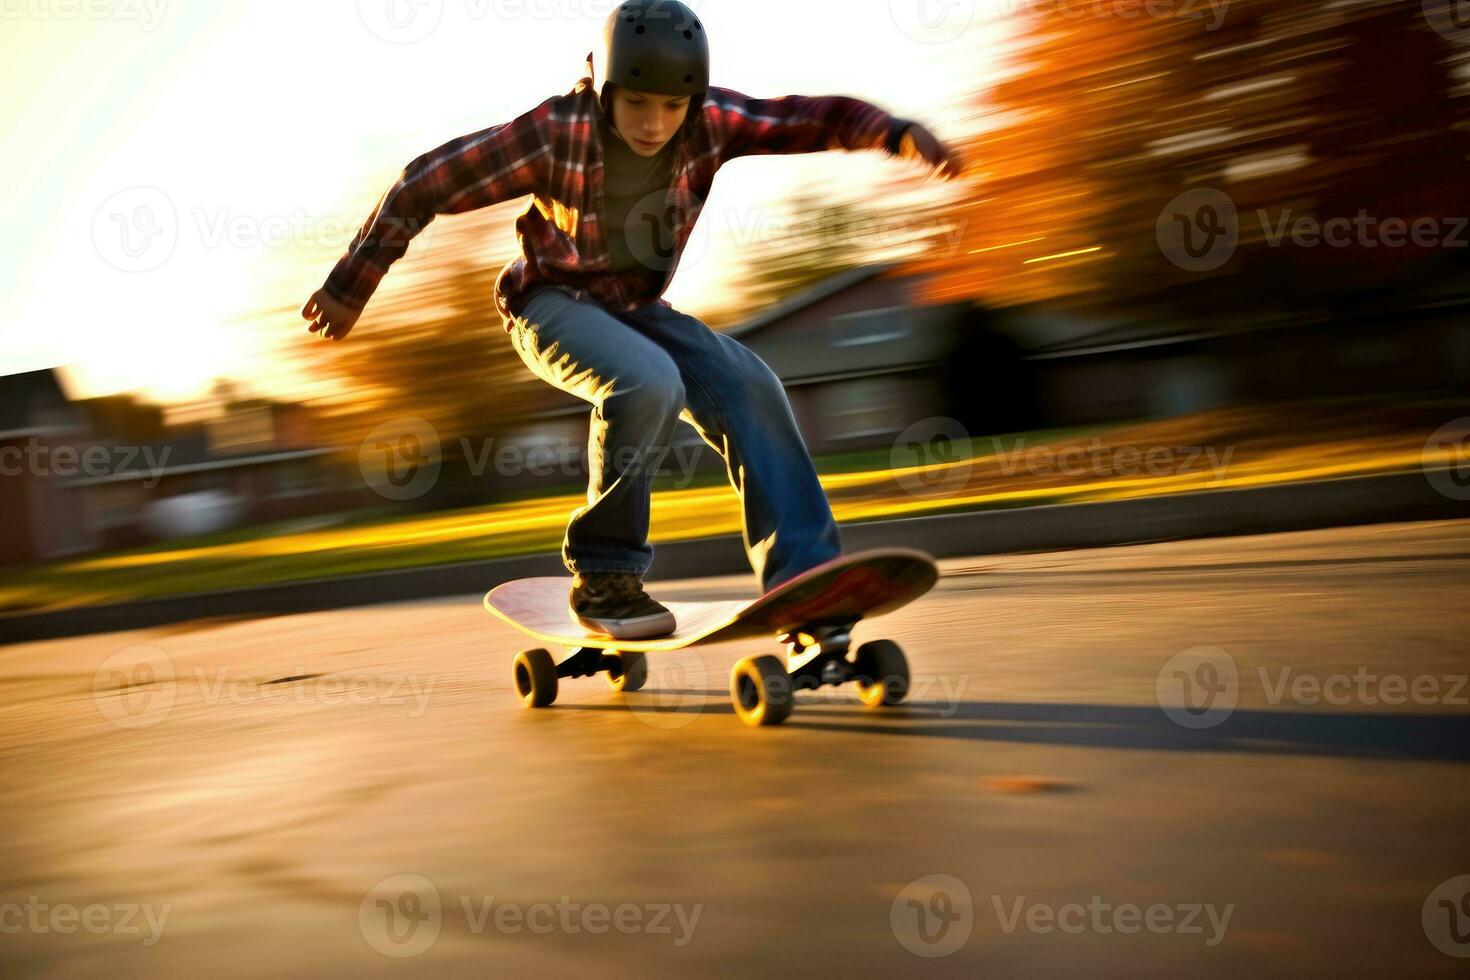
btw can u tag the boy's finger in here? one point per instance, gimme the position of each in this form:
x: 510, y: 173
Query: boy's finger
x: 310, y: 310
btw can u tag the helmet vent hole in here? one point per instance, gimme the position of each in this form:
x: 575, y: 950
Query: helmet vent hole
x: 637, y: 72
x: 640, y: 29
x: 698, y: 26
x: 688, y: 79
x: 688, y: 35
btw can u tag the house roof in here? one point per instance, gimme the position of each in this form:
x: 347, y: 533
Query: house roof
x: 830, y: 286
x: 20, y: 395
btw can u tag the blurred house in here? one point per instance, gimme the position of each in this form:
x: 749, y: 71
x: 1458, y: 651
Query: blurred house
x: 41, y: 432
x: 77, y: 477
x: 254, y: 462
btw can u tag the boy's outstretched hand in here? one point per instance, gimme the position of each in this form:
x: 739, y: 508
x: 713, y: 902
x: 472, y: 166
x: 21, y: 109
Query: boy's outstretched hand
x: 335, y: 320
x: 919, y: 143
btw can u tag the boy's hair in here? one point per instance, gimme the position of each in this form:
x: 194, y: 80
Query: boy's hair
x: 691, y: 119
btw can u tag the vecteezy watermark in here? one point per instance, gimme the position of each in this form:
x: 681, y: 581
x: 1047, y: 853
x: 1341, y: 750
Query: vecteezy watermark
x: 1102, y: 917
x: 225, y: 686
x: 1446, y: 459
x: 136, y: 230
x: 932, y: 457
x: 1199, y: 687
x: 941, y: 693
x: 98, y: 918
x: 1446, y: 917
x: 401, y: 21
x: 932, y: 21
x: 1363, y: 230
x: 1200, y: 230
x: 134, y: 687
x: 401, y: 458
x: 410, y: 21
x: 1450, y: 19
x: 1099, y: 460
x: 402, y: 916
x: 147, y: 14
x: 1363, y: 687
x: 35, y: 458
x: 565, y: 458
x: 137, y: 688
x: 676, y: 692
x: 139, y: 229
x: 933, y: 916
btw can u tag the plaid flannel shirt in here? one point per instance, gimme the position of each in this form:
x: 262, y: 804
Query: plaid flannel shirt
x: 553, y: 154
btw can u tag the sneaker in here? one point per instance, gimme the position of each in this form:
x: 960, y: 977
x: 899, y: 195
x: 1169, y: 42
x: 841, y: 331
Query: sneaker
x: 615, y: 603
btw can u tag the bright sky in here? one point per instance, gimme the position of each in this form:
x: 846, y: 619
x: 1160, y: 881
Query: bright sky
x: 180, y: 175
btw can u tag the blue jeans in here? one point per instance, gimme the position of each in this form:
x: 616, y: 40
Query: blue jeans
x: 642, y: 372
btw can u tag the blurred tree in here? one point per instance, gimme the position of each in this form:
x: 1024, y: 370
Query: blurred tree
x: 1290, y: 110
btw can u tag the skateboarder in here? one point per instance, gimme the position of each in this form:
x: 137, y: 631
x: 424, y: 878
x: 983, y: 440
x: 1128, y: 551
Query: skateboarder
x: 619, y: 169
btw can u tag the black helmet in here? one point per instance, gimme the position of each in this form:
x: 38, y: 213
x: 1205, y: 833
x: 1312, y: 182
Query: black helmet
x: 654, y: 46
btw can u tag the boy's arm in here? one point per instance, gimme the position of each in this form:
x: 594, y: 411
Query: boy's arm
x: 494, y: 165
x: 808, y: 124
x: 801, y: 124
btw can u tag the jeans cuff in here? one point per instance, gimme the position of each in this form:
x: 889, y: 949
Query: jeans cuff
x: 576, y: 567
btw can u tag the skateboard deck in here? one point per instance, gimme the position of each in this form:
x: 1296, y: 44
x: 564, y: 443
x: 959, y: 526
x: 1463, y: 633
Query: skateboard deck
x: 847, y: 588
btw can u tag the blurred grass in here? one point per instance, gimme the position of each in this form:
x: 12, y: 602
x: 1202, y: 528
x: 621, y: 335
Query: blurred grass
x: 1259, y: 447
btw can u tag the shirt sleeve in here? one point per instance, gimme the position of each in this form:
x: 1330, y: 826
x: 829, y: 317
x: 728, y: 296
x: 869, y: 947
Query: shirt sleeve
x: 492, y: 166
x: 801, y: 124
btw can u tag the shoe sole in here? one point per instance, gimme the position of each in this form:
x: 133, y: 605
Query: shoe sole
x: 638, y: 628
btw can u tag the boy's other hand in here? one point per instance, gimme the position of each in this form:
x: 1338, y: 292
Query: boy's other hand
x: 335, y: 320
x: 919, y: 143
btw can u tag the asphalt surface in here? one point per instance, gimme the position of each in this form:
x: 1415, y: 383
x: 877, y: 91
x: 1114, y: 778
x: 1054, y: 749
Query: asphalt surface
x: 359, y: 792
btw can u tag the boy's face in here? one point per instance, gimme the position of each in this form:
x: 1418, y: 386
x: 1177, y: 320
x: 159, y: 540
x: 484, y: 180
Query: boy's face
x: 647, y: 121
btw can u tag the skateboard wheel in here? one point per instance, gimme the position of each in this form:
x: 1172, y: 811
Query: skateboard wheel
x: 630, y: 674
x: 535, y: 678
x: 881, y: 673
x: 760, y: 689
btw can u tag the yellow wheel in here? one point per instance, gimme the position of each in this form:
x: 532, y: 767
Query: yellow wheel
x: 882, y: 673
x: 760, y: 689
x: 632, y: 673
x: 535, y: 678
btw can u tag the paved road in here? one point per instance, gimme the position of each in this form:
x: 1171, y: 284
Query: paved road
x: 305, y: 795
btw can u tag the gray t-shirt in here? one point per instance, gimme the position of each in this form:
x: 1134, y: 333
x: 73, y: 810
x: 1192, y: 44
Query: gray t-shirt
x: 635, y: 189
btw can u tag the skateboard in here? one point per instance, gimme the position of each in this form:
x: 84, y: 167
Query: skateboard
x: 812, y: 614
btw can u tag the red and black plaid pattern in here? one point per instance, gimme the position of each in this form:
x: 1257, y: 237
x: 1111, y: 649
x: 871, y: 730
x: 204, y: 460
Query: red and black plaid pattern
x: 551, y: 153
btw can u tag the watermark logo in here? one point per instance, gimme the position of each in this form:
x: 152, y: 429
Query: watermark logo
x: 401, y: 458
x: 1446, y: 917
x: 933, y: 916
x: 652, y: 228
x: 401, y: 916
x: 1102, y: 917
x: 64, y: 918
x: 134, y: 688
x: 1097, y: 460
x: 148, y: 14
x: 1446, y: 459
x: 1199, y: 687
x: 138, y: 687
x: 1199, y: 230
x: 401, y: 21
x: 136, y: 230
x: 35, y: 458
x: 932, y: 457
x: 1450, y: 19
x: 932, y: 21
x: 676, y: 695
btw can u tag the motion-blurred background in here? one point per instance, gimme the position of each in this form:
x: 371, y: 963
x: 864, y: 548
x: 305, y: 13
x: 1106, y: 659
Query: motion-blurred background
x: 1201, y: 246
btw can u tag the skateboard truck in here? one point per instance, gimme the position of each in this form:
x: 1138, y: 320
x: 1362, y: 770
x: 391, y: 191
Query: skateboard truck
x: 816, y: 654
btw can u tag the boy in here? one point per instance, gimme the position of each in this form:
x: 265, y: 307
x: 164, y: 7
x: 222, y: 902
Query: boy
x: 619, y: 169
